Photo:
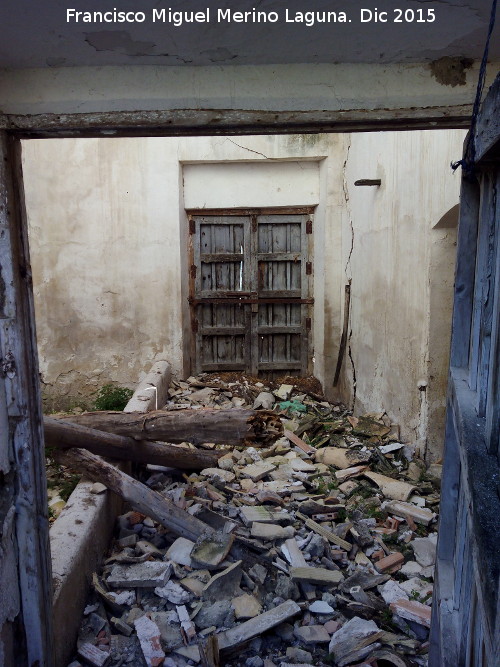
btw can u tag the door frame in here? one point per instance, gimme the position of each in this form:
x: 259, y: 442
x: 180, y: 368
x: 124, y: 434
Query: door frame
x: 191, y: 268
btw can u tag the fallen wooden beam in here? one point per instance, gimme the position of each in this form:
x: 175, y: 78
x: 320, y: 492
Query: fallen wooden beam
x: 229, y: 427
x: 65, y: 435
x: 141, y: 497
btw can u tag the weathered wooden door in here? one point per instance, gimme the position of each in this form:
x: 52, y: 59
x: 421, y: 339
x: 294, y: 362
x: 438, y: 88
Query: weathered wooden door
x: 466, y: 611
x: 250, y: 291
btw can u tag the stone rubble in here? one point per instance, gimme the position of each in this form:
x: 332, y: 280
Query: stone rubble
x: 332, y: 561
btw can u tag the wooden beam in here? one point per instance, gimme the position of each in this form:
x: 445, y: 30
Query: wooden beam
x: 230, y: 427
x: 25, y: 569
x: 64, y: 435
x: 140, y: 496
x: 192, y: 122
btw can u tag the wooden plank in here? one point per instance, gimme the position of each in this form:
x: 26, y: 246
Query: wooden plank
x: 253, y: 316
x: 279, y: 365
x: 212, y: 257
x: 211, y: 367
x: 481, y: 288
x: 487, y: 134
x: 319, y: 576
x: 25, y: 568
x: 492, y: 410
x: 324, y: 532
x: 296, y: 558
x: 298, y: 442
x: 264, y: 331
x: 222, y: 331
x: 197, y: 122
x: 464, y: 273
x: 305, y: 285
x: 277, y: 293
x: 279, y: 257
x: 276, y: 210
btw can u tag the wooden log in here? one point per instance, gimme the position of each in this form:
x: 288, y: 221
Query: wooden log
x: 141, y: 497
x: 229, y: 427
x: 64, y: 435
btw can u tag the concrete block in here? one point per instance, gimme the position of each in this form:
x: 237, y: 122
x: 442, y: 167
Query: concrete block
x: 144, y: 397
x: 81, y: 534
x: 140, y: 575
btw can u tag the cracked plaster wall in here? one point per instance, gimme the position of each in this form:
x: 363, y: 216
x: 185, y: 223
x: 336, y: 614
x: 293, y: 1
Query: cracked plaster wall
x: 402, y: 277
x: 108, y: 235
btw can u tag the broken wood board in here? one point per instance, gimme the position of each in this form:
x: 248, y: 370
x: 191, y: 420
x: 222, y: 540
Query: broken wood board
x: 298, y: 442
x: 324, y: 532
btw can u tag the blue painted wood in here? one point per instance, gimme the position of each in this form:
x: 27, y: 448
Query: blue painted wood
x: 465, y: 629
x: 464, y: 274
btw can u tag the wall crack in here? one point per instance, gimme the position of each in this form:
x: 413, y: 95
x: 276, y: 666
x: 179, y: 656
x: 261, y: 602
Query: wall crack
x: 353, y: 368
x: 248, y: 149
x: 348, y: 268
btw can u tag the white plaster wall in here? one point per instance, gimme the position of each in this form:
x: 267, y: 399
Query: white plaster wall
x: 393, y: 242
x: 251, y: 184
x: 108, y: 234
x: 108, y: 237
x: 105, y: 245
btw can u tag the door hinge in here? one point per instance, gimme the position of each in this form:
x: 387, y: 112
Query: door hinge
x: 194, y: 326
x: 193, y: 271
x: 309, y: 227
x: 308, y: 324
x: 309, y: 268
x: 192, y: 226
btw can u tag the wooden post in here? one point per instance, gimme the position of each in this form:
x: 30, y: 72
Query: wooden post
x: 25, y: 569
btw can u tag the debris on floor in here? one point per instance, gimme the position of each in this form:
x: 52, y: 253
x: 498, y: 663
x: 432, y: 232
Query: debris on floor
x: 318, y: 548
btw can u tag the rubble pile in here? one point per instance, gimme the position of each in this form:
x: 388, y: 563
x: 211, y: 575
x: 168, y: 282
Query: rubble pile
x: 319, y: 550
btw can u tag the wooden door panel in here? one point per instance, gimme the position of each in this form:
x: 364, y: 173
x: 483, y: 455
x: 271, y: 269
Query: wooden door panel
x: 221, y: 315
x: 250, y: 292
x: 220, y: 248
x: 279, y: 315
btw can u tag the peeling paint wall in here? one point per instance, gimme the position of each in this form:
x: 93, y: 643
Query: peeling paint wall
x: 108, y: 236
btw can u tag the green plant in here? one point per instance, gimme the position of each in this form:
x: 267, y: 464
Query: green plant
x: 110, y: 397
x: 67, y: 486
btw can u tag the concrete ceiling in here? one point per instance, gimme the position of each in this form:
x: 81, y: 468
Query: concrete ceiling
x: 36, y: 34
